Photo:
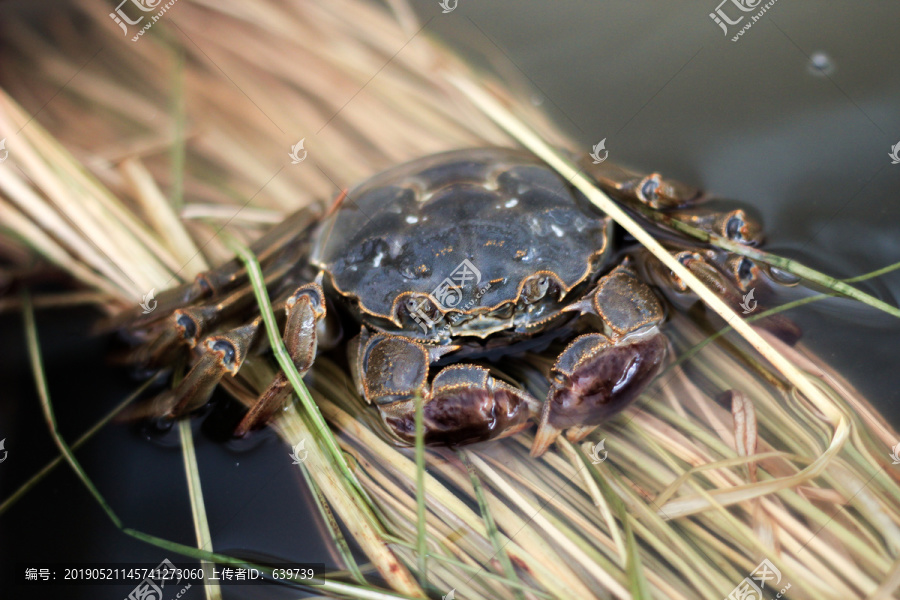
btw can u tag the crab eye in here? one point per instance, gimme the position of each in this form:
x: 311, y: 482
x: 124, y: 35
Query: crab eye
x: 420, y: 307
x: 649, y: 189
x: 536, y: 288
x: 745, y: 270
x: 734, y: 229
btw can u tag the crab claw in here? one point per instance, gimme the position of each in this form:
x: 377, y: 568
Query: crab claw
x: 463, y: 404
x: 593, y: 379
x: 599, y: 374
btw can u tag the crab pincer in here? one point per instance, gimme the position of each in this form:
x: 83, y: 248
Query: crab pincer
x: 599, y: 374
x: 463, y: 404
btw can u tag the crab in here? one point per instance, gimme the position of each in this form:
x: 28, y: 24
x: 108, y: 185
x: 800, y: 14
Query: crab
x: 445, y: 265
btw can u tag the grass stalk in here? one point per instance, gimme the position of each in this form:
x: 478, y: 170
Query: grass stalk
x: 40, y: 380
x: 333, y: 527
x: 421, y: 540
x: 198, y: 507
x: 321, y: 429
x: 355, y: 496
x: 490, y: 524
x: 788, y: 265
x: 87, y: 435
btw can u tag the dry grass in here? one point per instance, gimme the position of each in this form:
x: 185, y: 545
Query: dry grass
x: 125, y: 179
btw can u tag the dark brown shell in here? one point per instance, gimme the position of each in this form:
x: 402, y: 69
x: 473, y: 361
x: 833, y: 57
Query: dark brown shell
x: 403, y: 231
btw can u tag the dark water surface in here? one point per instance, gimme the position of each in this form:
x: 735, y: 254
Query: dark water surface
x: 257, y: 503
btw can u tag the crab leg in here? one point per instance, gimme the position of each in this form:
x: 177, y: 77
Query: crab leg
x: 192, y: 322
x: 662, y: 195
x: 651, y: 190
x: 734, y: 278
x: 305, y: 308
x: 220, y: 354
x: 280, y: 241
x: 187, y: 326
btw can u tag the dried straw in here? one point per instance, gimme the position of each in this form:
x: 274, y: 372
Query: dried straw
x: 149, y: 149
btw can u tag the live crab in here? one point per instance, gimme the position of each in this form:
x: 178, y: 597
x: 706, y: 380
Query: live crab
x: 463, y: 256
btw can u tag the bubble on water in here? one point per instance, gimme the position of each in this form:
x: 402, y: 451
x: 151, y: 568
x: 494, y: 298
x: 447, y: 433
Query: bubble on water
x: 820, y: 64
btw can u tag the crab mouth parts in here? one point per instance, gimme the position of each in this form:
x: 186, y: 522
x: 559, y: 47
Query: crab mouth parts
x: 419, y: 316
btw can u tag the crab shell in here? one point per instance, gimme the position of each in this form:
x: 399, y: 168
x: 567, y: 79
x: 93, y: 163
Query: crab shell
x: 464, y: 243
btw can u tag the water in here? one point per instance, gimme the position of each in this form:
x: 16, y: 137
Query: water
x: 257, y: 503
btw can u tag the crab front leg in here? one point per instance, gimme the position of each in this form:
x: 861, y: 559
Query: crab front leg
x: 224, y: 353
x: 305, y: 310
x: 462, y: 405
x: 674, y: 201
x: 652, y: 190
x: 599, y: 374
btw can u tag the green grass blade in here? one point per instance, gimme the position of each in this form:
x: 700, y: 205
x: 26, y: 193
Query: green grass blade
x: 287, y: 365
x: 37, y: 366
x: 878, y: 273
x: 336, y: 534
x: 87, y: 435
x: 490, y: 524
x: 785, y: 264
x: 198, y: 507
x: 421, y: 532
